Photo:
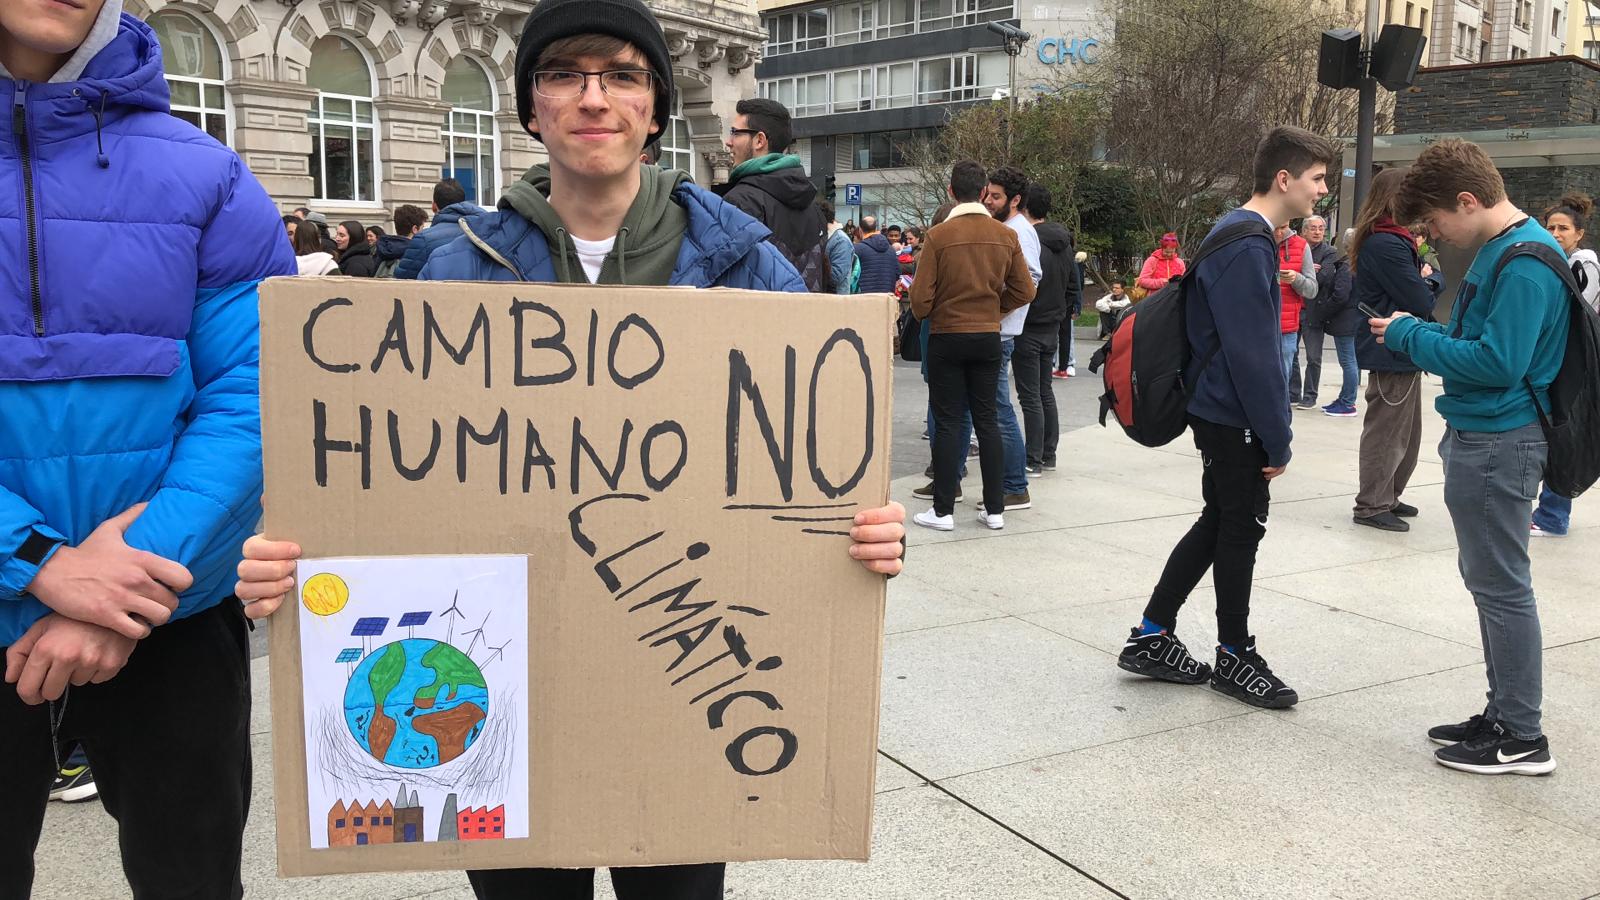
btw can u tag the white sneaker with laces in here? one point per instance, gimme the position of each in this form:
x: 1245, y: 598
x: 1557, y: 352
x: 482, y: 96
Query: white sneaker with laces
x: 995, y: 522
x: 927, y: 519
x: 1071, y: 371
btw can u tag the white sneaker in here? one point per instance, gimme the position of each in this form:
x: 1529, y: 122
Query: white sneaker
x: 1071, y: 371
x: 996, y: 521
x: 1536, y: 531
x: 927, y: 519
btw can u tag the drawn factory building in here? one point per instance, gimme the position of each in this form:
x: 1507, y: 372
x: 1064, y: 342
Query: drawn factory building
x: 483, y: 824
x: 358, y: 826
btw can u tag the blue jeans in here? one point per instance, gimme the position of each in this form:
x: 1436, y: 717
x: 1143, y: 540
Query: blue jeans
x: 1344, y: 346
x: 1016, y: 449
x: 1554, y: 513
x: 1490, y: 481
x: 1289, y: 346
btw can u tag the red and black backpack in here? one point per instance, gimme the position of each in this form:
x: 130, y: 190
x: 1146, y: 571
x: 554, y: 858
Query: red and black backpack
x: 1147, y: 376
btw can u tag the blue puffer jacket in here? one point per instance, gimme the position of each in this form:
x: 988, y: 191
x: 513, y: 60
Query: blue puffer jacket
x: 443, y: 230
x: 722, y: 247
x: 130, y: 377
x: 880, y: 267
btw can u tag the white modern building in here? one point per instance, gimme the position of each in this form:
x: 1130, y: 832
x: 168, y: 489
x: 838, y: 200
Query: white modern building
x: 353, y: 107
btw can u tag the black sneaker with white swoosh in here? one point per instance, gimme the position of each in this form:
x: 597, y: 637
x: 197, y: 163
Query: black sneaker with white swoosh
x: 1496, y: 752
x: 1161, y: 656
x: 1246, y: 676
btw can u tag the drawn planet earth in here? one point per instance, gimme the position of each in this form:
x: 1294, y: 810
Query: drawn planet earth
x: 416, y: 703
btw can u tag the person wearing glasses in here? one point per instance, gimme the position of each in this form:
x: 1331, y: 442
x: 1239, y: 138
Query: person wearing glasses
x: 594, y: 84
x: 772, y: 187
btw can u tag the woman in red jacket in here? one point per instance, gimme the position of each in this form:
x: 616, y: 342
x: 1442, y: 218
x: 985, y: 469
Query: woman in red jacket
x: 1162, y: 265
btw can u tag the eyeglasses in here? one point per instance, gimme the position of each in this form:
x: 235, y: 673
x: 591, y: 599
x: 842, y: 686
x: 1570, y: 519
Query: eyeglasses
x: 556, y: 85
x: 735, y: 132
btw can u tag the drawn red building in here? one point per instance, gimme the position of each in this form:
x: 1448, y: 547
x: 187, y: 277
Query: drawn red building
x: 482, y: 824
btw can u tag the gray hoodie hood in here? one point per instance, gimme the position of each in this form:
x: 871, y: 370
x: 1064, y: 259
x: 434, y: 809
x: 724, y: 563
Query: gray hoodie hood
x: 102, y: 33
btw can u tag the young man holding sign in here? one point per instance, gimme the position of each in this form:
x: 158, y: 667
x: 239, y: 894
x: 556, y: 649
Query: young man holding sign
x: 130, y: 448
x: 594, y: 84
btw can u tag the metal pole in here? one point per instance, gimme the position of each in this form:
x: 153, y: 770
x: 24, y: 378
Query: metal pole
x: 1366, y: 121
x: 1011, y: 99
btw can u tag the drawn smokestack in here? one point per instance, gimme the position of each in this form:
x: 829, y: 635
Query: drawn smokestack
x: 447, y: 819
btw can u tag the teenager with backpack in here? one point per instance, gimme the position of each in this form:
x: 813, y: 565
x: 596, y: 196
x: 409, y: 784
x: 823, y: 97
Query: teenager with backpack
x: 1567, y: 221
x: 1500, y: 353
x: 1238, y: 409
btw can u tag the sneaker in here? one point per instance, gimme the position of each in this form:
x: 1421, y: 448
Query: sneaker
x: 1446, y: 735
x: 995, y: 521
x: 1497, y: 753
x: 74, y: 785
x: 1036, y: 470
x: 1050, y: 466
x: 1060, y: 373
x: 1014, y: 502
x: 926, y: 493
x: 972, y: 450
x: 1306, y: 404
x: 927, y: 519
x: 1385, y: 521
x: 1340, y: 410
x: 1161, y: 656
x: 1536, y: 531
x: 1403, y: 510
x: 1245, y: 676
x: 1071, y: 371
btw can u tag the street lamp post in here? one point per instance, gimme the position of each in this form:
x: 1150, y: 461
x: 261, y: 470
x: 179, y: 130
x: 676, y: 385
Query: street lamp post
x: 1014, y: 39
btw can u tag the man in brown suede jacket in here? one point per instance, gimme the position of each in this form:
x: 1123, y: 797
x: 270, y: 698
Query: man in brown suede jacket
x: 970, y: 274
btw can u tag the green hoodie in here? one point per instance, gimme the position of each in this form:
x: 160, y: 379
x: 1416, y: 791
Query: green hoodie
x: 761, y: 165
x: 646, y: 251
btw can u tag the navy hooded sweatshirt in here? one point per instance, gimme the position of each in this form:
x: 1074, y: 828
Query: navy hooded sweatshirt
x: 1234, y: 301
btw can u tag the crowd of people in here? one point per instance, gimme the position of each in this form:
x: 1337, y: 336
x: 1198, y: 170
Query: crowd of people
x: 130, y: 484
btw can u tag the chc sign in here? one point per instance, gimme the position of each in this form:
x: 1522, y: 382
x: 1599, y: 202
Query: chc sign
x: 1060, y: 51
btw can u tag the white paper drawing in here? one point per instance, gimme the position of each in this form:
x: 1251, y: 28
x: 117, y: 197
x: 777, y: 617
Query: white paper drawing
x: 414, y: 672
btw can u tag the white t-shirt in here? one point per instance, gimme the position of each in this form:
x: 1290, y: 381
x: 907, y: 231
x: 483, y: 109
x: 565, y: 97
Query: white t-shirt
x: 592, y: 254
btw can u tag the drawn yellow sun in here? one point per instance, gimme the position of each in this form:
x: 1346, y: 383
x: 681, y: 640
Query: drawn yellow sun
x: 325, y: 594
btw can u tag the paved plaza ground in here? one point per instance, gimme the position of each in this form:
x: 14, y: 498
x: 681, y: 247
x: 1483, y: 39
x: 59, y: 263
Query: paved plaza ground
x: 1017, y: 761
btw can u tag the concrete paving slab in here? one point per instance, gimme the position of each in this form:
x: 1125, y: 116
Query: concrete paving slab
x: 1392, y: 720
x: 927, y: 846
x: 990, y: 694
x: 1044, y: 570
x: 1253, y: 807
x: 915, y: 604
x: 1424, y: 592
x: 1317, y: 650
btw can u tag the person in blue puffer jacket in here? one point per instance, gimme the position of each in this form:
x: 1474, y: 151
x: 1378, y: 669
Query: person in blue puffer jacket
x: 130, y: 447
x: 450, y: 206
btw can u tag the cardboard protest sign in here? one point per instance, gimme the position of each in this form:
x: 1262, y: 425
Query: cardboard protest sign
x: 575, y: 587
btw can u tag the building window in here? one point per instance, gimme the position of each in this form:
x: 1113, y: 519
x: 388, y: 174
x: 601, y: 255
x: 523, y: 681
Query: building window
x: 338, y: 823
x: 343, y: 130
x: 388, y: 820
x: 1411, y: 11
x: 677, y: 152
x: 1422, y: 21
x: 1388, y: 10
x: 886, y: 149
x: 946, y: 79
x: 1591, y: 51
x: 895, y: 85
x: 1555, y: 23
x: 794, y: 32
x: 193, y: 63
x: 358, y: 821
x: 469, y: 134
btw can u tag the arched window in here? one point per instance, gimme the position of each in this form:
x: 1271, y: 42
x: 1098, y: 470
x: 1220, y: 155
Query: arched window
x: 469, y: 135
x: 344, y: 138
x: 193, y: 63
x: 676, y: 151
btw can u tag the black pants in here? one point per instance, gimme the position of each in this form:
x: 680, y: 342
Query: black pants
x: 1226, y: 535
x: 1030, y: 369
x: 963, y: 374
x: 169, y: 742
x: 700, y: 882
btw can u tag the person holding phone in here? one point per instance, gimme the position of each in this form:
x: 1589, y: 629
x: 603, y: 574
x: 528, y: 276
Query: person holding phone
x: 1388, y: 280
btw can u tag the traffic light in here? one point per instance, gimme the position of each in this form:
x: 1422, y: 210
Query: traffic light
x: 829, y: 185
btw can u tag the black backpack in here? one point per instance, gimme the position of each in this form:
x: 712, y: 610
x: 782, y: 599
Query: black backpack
x: 1147, y: 377
x: 1572, y: 428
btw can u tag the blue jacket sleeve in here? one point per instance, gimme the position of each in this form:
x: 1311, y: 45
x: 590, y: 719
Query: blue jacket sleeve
x: 19, y: 522
x: 209, y: 498
x: 841, y: 259
x: 1500, y: 356
x: 1248, y: 327
x: 1395, y: 267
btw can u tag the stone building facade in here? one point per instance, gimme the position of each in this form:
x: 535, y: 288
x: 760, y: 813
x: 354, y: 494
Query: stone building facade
x: 353, y: 107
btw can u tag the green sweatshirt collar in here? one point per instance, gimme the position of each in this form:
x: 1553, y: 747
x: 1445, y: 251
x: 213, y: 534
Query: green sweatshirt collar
x: 646, y: 249
x: 761, y: 165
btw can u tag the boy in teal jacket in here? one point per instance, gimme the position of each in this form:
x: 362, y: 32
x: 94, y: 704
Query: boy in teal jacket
x: 1506, y: 334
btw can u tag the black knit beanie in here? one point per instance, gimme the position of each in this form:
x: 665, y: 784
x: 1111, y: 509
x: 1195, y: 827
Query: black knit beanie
x: 628, y: 20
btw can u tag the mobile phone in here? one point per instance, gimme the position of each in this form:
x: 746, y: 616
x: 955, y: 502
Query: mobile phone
x: 1369, y: 312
